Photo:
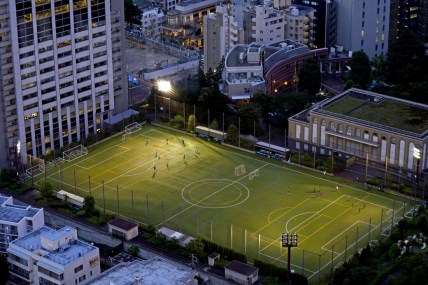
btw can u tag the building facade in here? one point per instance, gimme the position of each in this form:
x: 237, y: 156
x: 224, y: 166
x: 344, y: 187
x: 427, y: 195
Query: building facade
x: 48, y: 256
x: 325, y: 21
x: 365, y: 125
x: 363, y: 25
x: 151, y: 21
x: 221, y: 33
x: 64, y: 77
x: 17, y: 221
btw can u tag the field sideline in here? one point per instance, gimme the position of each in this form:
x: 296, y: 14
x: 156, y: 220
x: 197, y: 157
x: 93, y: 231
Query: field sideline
x: 164, y: 178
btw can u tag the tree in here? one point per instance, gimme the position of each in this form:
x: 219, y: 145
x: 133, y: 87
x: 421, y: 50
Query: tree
x: 310, y: 76
x: 360, y: 69
x: 89, y: 205
x: 132, y: 13
x: 213, y: 99
x: 4, y: 269
x: 196, y: 247
x: 46, y: 189
x: 178, y: 122
x: 378, y: 65
x: 214, y: 125
x: 232, y: 134
x: 265, y: 103
x: 248, y: 114
x: 191, y: 124
x: 134, y: 250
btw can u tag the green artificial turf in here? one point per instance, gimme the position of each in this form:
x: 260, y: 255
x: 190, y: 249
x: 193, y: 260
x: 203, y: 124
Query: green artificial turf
x: 199, y: 194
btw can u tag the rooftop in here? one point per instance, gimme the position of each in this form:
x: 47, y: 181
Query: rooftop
x: 15, y: 213
x: 71, y: 249
x: 123, y: 224
x: 153, y: 272
x: 380, y: 109
x: 241, y: 267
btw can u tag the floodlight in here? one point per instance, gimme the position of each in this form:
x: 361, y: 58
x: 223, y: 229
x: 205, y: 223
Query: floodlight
x: 164, y: 86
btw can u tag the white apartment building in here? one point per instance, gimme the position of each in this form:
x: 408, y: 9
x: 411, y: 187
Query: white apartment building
x: 221, y: 33
x: 300, y: 25
x: 363, y: 25
x: 151, y: 21
x: 59, y: 83
x: 47, y: 256
x: 166, y: 5
x: 17, y: 221
x: 264, y: 24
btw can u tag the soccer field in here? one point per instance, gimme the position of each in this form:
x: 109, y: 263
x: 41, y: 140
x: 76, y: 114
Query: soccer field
x: 164, y: 178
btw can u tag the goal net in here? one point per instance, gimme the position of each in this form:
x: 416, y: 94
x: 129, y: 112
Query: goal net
x: 132, y: 128
x: 126, y: 136
x: 252, y: 174
x: 239, y: 170
x: 74, y: 153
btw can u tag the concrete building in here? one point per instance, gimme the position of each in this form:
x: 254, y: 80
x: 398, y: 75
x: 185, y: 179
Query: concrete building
x: 153, y: 271
x: 363, y: 25
x: 276, y: 21
x: 151, y: 21
x: 407, y: 15
x: 300, y: 25
x: 17, y: 221
x: 64, y: 76
x: 123, y: 228
x: 324, y: 21
x: 48, y: 256
x: 241, y: 273
x: 366, y: 125
x: 221, y: 33
x: 268, y: 68
x: 166, y: 5
x: 184, y: 23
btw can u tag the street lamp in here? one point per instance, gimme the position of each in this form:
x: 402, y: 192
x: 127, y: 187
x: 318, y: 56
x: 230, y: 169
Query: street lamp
x: 417, y: 155
x: 289, y: 240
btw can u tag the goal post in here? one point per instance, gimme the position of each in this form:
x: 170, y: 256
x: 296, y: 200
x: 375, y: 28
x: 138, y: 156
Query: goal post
x: 254, y: 173
x: 74, y: 153
x: 239, y: 170
x: 132, y: 128
x: 126, y: 136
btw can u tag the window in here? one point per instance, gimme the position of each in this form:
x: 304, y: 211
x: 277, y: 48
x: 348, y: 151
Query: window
x: 78, y: 268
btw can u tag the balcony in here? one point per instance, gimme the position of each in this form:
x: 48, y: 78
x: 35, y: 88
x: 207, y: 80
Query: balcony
x: 23, y: 275
x: 352, y: 138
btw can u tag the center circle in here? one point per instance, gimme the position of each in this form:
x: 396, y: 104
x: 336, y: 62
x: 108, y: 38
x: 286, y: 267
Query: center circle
x: 215, y: 193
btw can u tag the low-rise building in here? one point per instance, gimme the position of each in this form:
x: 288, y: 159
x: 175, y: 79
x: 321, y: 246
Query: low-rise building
x: 17, y: 220
x: 384, y: 130
x: 153, y: 271
x: 123, y: 228
x: 241, y: 273
x: 48, y: 256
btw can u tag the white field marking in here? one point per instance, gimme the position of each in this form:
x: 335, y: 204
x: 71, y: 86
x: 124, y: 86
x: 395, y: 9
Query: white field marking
x: 301, y: 214
x: 339, y: 234
x: 292, y: 265
x: 328, y: 264
x: 104, y: 160
x: 271, y: 213
x: 315, y: 213
x: 71, y: 185
x: 367, y: 202
x: 302, y: 173
x: 193, y: 205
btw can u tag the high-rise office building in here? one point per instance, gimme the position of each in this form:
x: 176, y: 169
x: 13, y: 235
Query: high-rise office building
x: 363, y: 25
x: 64, y: 77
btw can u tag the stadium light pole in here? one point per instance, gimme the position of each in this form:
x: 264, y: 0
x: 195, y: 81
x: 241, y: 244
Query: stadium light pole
x: 289, y: 240
x: 417, y: 155
x: 165, y: 87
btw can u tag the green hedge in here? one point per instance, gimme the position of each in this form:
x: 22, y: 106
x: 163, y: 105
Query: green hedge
x: 226, y: 253
x: 268, y: 269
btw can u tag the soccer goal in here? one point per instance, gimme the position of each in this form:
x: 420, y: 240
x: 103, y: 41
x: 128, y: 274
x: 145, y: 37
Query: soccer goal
x: 252, y: 174
x: 239, y: 170
x: 74, y: 153
x: 126, y: 136
x: 132, y: 128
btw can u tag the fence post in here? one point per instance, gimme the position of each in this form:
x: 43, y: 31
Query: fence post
x: 356, y: 241
x: 346, y: 247
x: 332, y: 261
x: 381, y: 222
